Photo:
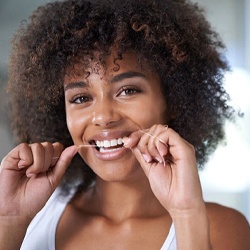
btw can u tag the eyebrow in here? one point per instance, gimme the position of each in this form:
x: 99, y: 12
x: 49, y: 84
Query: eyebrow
x: 73, y: 85
x: 125, y: 75
x: 117, y: 78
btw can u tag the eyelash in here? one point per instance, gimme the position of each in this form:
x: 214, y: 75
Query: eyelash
x: 85, y: 98
x: 80, y: 99
x: 132, y: 89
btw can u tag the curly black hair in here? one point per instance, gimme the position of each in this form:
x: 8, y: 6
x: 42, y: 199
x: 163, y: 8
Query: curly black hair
x: 172, y: 36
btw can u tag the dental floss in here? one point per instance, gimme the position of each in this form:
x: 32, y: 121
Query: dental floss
x: 159, y: 140
x: 79, y: 146
x: 153, y: 136
x: 86, y: 146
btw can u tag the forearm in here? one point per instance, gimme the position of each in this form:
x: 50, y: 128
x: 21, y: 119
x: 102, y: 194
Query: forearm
x: 12, y: 232
x: 192, y: 229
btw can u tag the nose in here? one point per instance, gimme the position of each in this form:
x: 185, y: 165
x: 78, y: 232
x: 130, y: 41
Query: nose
x: 105, y: 113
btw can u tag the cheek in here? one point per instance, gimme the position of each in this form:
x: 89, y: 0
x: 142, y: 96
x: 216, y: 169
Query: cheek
x: 159, y: 106
x: 76, y: 123
x: 155, y: 110
x: 146, y: 114
x: 71, y: 127
x: 70, y: 124
x: 160, y: 111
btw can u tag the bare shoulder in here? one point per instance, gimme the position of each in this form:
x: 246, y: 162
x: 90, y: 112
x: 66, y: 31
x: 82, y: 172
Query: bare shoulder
x: 229, y: 229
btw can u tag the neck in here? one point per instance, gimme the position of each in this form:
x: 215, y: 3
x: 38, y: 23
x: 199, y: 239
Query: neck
x: 119, y: 201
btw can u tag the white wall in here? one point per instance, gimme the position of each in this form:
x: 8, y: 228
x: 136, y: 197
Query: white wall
x: 247, y: 34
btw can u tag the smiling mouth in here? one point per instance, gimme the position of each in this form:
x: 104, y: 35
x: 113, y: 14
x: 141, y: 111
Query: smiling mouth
x: 108, y: 145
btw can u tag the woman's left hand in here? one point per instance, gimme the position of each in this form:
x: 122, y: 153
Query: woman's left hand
x: 169, y: 162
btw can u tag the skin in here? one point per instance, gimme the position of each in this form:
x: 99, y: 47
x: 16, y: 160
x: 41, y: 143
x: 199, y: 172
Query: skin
x: 140, y: 188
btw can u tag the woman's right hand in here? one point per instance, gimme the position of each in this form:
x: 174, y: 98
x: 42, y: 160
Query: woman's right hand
x: 28, y: 176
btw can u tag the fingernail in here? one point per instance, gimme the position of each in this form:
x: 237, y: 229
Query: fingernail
x: 29, y: 175
x: 161, y: 154
x: 21, y: 167
x: 146, y: 158
x: 158, y: 159
x: 161, y: 148
x: 125, y: 140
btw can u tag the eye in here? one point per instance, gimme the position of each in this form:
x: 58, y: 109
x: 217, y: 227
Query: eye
x: 129, y: 90
x: 80, y: 99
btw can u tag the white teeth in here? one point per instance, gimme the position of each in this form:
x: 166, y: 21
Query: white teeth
x: 99, y: 143
x: 111, y: 143
x: 105, y: 150
x: 106, y: 144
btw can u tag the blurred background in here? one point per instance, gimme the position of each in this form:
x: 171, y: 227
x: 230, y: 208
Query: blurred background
x: 226, y: 178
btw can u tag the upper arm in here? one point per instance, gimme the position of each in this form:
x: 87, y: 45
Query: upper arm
x: 229, y: 229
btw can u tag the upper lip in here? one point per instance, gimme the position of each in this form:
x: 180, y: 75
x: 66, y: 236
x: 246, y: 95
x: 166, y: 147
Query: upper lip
x: 108, y: 135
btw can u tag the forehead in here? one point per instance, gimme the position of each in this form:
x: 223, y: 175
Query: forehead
x: 108, y: 68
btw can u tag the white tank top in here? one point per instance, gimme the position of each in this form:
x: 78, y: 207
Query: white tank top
x: 41, y: 232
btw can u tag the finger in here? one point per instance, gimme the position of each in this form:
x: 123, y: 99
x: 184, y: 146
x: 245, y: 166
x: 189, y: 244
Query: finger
x: 62, y: 164
x: 1, y: 166
x: 162, y: 148
x: 177, y: 146
x: 161, y: 145
x: 133, y: 139
x: 37, y: 166
x: 147, y: 141
x: 157, y: 130
x: 150, y: 141
x: 178, y: 149
x: 45, y: 156
x: 153, y: 143
x: 48, y: 154
x: 18, y: 158
x: 52, y: 154
x: 57, y: 150
x: 137, y: 138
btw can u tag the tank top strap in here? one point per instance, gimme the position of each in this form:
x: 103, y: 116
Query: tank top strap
x: 170, y: 242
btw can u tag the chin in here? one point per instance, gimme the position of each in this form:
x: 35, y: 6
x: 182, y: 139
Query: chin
x: 118, y: 171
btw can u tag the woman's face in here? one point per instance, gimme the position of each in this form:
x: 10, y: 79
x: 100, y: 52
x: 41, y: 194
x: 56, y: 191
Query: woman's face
x: 106, y: 106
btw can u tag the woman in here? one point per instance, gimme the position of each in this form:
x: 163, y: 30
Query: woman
x: 117, y: 102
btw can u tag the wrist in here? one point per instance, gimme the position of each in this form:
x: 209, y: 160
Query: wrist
x: 192, y: 228
x: 12, y: 231
x: 188, y: 211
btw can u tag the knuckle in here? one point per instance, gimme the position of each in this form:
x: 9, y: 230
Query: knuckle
x: 36, y: 145
x: 191, y: 148
x: 46, y: 144
x: 23, y: 146
x: 142, y: 145
x: 58, y: 145
x: 2, y: 161
x: 155, y: 126
x: 151, y: 146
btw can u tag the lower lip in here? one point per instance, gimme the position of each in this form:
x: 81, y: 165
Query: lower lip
x: 110, y: 155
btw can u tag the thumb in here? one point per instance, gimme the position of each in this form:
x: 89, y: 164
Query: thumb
x: 133, y: 139
x: 63, y: 163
